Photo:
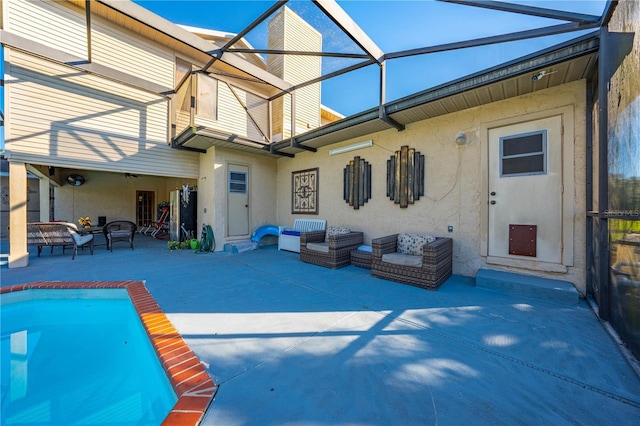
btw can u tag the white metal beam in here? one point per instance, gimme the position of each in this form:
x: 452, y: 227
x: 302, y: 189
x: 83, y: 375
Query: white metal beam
x: 350, y: 28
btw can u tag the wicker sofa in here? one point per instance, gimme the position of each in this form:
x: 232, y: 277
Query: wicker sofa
x: 53, y: 234
x: 329, y: 249
x: 427, y: 270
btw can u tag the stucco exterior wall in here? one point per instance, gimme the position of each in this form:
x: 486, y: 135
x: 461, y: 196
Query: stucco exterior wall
x: 109, y: 194
x: 453, y: 180
x: 212, y: 190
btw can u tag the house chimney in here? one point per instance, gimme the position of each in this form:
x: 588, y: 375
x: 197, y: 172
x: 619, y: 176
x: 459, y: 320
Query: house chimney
x: 287, y: 31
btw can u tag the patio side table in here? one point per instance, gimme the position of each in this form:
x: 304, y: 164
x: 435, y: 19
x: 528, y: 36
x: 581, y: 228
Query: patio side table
x: 361, y: 258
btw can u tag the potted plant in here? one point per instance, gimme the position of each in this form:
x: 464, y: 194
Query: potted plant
x: 85, y: 222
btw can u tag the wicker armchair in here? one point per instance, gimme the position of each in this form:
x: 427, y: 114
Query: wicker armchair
x: 119, y: 230
x: 428, y: 271
x: 333, y: 251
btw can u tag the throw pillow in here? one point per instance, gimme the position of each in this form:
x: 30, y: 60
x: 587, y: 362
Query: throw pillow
x: 334, y: 230
x: 412, y: 243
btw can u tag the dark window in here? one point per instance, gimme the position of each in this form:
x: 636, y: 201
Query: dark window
x: 524, y: 154
x: 238, y: 182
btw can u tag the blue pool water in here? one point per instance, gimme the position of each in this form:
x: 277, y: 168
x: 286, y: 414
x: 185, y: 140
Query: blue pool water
x: 78, y: 357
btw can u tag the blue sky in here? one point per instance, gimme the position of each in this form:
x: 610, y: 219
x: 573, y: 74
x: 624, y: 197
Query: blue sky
x: 393, y: 26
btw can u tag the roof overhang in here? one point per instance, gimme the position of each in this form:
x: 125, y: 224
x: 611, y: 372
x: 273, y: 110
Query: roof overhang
x: 563, y: 63
x: 199, y: 139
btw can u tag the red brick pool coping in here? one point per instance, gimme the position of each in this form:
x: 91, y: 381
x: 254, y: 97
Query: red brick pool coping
x: 190, y: 380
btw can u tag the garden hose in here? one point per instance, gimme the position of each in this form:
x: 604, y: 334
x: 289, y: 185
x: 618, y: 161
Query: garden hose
x: 207, y: 240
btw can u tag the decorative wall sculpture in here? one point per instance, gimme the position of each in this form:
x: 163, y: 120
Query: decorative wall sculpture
x: 357, y: 182
x: 304, y: 191
x: 405, y: 176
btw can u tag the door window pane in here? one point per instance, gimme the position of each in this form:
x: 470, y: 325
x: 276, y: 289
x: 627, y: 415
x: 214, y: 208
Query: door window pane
x: 238, y: 182
x: 523, y: 154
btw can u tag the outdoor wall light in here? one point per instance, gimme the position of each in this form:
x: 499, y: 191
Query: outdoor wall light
x: 461, y: 139
x: 537, y: 76
x: 359, y: 145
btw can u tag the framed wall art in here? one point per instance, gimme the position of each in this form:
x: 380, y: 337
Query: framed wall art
x: 304, y: 191
x: 357, y: 182
x: 405, y: 176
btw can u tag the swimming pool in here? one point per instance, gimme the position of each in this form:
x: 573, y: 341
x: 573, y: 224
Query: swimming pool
x: 105, y: 356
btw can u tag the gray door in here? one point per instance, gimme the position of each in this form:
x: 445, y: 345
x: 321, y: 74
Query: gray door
x: 525, y: 187
x: 237, y: 200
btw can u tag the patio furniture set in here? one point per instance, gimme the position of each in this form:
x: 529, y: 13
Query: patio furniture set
x: 417, y: 259
x: 66, y: 234
x: 420, y: 260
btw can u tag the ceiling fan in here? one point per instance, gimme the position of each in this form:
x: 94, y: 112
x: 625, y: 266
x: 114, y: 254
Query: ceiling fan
x: 75, y: 180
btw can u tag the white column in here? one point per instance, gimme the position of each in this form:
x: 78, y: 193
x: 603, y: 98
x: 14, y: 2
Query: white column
x: 18, y: 254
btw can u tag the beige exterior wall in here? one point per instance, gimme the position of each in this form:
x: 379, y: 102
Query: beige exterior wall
x: 57, y: 116
x: 124, y: 51
x: 110, y: 194
x: 113, y: 46
x: 41, y: 21
x: 232, y: 116
x: 454, y: 180
x: 212, y: 190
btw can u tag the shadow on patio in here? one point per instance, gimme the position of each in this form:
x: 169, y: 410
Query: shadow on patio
x: 290, y: 342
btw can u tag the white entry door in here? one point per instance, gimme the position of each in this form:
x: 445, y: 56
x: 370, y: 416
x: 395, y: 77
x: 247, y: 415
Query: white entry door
x: 525, y: 188
x: 238, y: 200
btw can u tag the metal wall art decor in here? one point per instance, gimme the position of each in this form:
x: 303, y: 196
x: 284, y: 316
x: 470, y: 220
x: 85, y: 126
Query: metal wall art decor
x: 304, y: 191
x: 405, y: 176
x: 357, y: 182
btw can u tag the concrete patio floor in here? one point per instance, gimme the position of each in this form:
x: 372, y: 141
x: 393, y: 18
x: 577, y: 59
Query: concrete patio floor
x: 292, y: 343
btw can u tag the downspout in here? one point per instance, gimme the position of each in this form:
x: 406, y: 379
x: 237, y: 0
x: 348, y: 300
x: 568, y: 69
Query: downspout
x: 382, y: 112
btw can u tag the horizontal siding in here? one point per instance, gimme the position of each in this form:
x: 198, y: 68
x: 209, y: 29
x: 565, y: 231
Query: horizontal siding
x: 259, y: 109
x: 119, y: 49
x: 58, y: 116
x: 59, y: 25
x: 275, y: 40
x: 62, y: 26
x: 232, y: 117
x: 298, y: 35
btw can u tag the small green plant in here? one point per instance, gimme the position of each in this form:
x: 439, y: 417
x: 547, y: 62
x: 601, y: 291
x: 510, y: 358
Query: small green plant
x: 178, y: 245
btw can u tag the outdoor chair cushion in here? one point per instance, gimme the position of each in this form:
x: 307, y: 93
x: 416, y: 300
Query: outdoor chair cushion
x: 334, y: 230
x: 291, y: 232
x: 402, y: 259
x: 413, y: 243
x: 320, y: 247
x: 120, y: 233
x: 81, y: 239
